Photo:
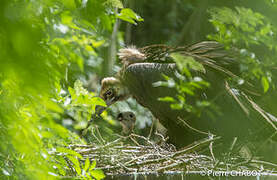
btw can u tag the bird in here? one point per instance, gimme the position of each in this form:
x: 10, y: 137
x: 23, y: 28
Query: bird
x: 127, y: 120
x: 238, y: 115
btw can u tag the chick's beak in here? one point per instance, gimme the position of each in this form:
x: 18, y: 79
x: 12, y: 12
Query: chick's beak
x: 120, y: 117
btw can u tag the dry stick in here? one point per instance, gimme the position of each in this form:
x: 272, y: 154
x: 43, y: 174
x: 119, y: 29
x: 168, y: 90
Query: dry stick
x: 264, y: 163
x: 233, y: 143
x: 242, y: 163
x: 232, y: 147
x: 144, y: 138
x: 96, y: 138
x: 164, y: 139
x: 266, y: 141
x: 199, y: 131
x: 173, y: 165
x: 177, y: 164
x: 178, y: 153
x: 236, y: 98
x: 151, y: 130
x: 99, y: 134
x: 211, y: 150
x: 134, y: 141
x: 261, y: 111
x: 101, y: 147
x: 144, y: 155
x: 79, y: 146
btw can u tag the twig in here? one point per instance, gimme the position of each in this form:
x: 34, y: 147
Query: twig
x: 151, y: 130
x: 196, y: 130
x: 211, y: 150
x: 173, y: 165
x: 236, y: 98
x: 264, y: 163
x: 261, y: 111
x: 99, y: 134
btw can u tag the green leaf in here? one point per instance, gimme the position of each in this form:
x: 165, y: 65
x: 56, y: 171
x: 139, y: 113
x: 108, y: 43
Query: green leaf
x: 66, y: 18
x: 69, y: 4
x: 98, y: 101
x: 114, y: 3
x: 92, y: 166
x: 265, y: 84
x: 97, y: 174
x: 167, y: 99
x: 72, y: 93
x: 184, y: 63
x: 187, y: 90
x: 87, y: 164
x: 76, y: 164
x: 129, y: 15
x: 177, y: 106
x: 69, y: 151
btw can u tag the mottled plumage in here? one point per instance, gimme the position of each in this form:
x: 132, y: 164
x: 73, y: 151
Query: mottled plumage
x: 145, y: 66
x: 127, y: 120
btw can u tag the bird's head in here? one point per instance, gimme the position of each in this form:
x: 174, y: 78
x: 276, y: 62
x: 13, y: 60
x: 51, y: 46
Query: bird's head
x: 112, y: 90
x: 127, y: 120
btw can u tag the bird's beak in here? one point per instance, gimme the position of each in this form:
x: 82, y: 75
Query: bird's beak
x: 99, y: 109
x: 120, y: 117
x: 110, y: 101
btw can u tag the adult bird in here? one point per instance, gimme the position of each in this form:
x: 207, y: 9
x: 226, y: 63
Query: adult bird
x: 238, y: 115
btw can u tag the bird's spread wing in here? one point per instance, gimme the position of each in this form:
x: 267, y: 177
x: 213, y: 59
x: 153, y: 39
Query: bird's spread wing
x: 208, y: 53
x: 238, y: 110
x: 139, y: 78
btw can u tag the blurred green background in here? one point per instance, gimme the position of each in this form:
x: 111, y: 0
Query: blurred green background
x: 54, y: 53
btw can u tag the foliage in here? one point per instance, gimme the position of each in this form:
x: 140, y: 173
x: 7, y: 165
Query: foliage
x: 186, y: 85
x: 79, y: 103
x: 129, y: 16
x: 253, y: 34
x: 53, y: 50
x: 46, y: 45
x: 71, y: 159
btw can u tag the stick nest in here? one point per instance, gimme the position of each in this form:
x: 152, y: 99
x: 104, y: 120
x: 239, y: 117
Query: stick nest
x: 138, y: 154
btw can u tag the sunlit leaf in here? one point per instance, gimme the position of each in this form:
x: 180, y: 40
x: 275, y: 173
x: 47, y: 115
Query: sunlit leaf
x: 76, y: 164
x: 87, y: 164
x: 66, y: 18
x: 114, y: 3
x: 265, y: 84
x: 167, y: 99
x: 93, y: 165
x: 129, y: 15
x: 97, y: 174
x: 69, y: 151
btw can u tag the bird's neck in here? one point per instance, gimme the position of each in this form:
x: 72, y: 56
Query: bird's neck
x: 123, y: 93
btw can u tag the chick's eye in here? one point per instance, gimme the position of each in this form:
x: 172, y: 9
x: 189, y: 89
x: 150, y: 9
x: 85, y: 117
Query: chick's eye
x: 131, y: 116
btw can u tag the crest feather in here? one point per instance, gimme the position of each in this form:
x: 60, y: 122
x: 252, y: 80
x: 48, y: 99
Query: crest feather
x: 131, y: 55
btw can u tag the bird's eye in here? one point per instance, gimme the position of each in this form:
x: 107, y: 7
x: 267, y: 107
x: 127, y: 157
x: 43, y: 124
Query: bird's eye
x: 131, y: 116
x: 109, y: 92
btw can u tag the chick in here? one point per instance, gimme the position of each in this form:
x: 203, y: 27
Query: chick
x: 127, y: 120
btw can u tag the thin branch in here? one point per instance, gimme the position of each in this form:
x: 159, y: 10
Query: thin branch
x: 229, y: 90
x: 196, y: 130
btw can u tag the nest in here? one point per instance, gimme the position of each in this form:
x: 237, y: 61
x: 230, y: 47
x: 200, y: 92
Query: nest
x: 137, y: 154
